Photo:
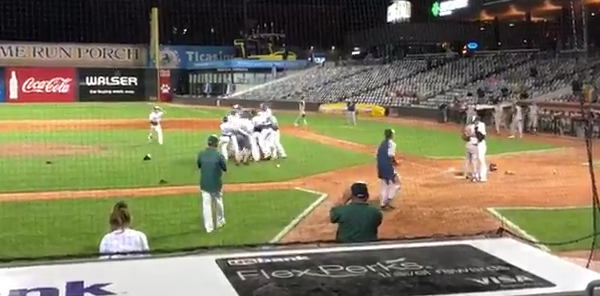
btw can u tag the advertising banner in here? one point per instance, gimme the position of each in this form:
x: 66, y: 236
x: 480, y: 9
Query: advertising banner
x: 111, y: 85
x: 39, y: 85
x: 165, y: 85
x: 340, y: 108
x: 74, y: 55
x: 190, y: 57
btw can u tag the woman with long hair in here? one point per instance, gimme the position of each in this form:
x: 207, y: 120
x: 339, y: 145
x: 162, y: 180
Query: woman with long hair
x: 122, y: 241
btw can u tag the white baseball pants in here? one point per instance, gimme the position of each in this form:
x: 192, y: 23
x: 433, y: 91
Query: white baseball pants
x: 226, y: 144
x: 254, y: 144
x: 482, y: 169
x: 207, y: 200
x: 471, y: 167
x: 277, y: 149
x: 265, y: 142
x: 156, y: 130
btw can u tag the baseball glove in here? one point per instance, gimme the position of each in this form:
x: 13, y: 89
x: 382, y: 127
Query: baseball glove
x: 465, y: 137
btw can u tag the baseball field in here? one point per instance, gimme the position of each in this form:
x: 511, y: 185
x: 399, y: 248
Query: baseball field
x: 64, y: 166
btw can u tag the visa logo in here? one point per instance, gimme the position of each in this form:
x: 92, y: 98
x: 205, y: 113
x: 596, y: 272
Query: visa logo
x: 73, y: 288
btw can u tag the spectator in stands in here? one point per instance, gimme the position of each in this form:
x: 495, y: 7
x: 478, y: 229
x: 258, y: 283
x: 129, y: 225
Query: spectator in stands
x: 122, y: 239
x: 357, y: 220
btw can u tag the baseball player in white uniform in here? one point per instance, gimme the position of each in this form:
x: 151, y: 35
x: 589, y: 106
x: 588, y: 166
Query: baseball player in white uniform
x: 471, y: 162
x: 255, y: 138
x: 265, y: 110
x: 243, y: 136
x: 266, y: 141
x: 301, y: 113
x: 480, y: 135
x: 277, y: 150
x: 227, y: 141
x: 155, y: 119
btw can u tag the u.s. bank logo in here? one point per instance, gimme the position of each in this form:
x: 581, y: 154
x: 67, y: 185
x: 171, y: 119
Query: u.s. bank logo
x: 169, y: 59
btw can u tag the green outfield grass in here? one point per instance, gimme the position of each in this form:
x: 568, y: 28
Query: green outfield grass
x: 555, y: 225
x: 43, y: 228
x: 96, y: 111
x: 411, y: 140
x: 120, y: 163
x: 417, y: 141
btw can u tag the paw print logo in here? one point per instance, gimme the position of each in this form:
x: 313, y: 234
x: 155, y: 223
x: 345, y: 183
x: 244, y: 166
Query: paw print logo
x: 165, y: 89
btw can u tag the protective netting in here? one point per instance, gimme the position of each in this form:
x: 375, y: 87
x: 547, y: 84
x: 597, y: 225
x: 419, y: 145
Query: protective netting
x: 301, y: 27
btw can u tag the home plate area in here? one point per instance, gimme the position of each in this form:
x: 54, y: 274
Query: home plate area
x: 500, y: 266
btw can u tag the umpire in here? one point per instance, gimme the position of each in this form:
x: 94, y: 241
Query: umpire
x: 357, y: 220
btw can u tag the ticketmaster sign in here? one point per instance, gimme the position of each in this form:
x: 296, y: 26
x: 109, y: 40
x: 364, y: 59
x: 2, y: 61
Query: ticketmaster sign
x: 76, y: 55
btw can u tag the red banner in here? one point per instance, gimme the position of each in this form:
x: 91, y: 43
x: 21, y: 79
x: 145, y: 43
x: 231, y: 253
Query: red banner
x: 165, y: 85
x: 40, y: 85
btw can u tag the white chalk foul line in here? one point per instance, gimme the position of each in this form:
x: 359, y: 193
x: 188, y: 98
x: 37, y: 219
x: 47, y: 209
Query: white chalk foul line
x: 520, y: 231
x: 302, y: 215
x: 544, y: 208
x: 539, y: 151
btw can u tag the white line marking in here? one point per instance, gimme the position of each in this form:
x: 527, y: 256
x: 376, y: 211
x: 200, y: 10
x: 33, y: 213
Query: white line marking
x: 301, y: 216
x: 539, y: 151
x: 544, y: 208
x: 198, y: 109
x: 517, y: 229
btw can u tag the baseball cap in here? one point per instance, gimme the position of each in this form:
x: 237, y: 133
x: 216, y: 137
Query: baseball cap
x: 360, y: 190
x: 213, y: 140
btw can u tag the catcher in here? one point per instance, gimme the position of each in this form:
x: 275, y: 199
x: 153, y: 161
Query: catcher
x: 468, y: 136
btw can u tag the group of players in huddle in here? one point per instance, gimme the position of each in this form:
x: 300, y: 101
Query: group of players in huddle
x: 250, y: 135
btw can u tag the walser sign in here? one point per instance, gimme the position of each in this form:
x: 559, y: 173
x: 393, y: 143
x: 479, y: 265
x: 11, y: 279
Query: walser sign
x: 434, y: 270
x: 111, y: 85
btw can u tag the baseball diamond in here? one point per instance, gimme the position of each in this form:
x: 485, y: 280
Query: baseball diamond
x: 65, y: 167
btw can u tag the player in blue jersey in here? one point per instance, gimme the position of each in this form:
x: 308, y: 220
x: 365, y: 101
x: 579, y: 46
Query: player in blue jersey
x: 386, y: 170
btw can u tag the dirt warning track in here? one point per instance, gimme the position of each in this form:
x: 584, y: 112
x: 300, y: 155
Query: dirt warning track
x: 432, y: 201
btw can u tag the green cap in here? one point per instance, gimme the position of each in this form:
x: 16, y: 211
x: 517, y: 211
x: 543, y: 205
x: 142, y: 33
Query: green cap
x: 213, y: 140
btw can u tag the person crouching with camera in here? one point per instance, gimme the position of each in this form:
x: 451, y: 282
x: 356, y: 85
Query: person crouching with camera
x: 357, y: 220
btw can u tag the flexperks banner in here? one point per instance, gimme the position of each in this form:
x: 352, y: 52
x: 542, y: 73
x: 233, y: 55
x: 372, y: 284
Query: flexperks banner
x: 440, y: 270
x: 111, y: 85
x: 39, y: 85
x: 340, y: 108
x: 190, y: 57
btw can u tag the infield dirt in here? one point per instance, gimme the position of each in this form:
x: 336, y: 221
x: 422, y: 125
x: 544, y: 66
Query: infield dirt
x: 432, y: 201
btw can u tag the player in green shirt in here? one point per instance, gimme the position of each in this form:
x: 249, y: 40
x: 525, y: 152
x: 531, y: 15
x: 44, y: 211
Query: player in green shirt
x: 212, y: 165
x: 357, y: 220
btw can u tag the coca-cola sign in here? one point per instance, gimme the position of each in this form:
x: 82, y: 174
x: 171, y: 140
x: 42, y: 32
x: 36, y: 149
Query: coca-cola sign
x: 40, y: 85
x: 59, y: 85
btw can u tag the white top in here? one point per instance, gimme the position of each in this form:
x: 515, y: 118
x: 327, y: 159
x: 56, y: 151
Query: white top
x: 122, y: 241
x: 301, y: 106
x: 391, y: 148
x: 273, y: 120
x: 156, y: 116
x: 518, y: 113
x: 470, y: 130
x: 228, y: 128
x: 246, y: 125
x: 259, y: 119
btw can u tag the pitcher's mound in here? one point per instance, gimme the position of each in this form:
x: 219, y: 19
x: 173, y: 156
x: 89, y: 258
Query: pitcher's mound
x: 45, y: 149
